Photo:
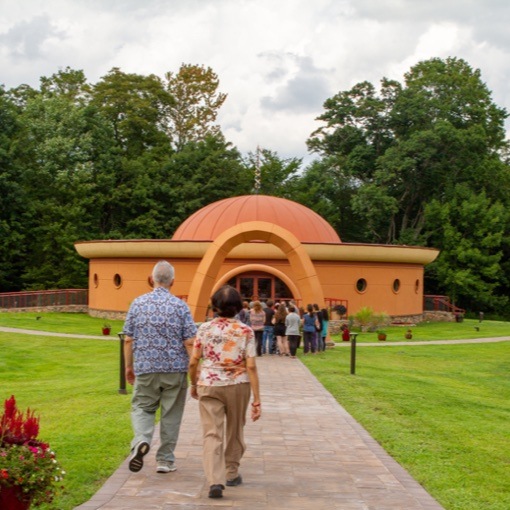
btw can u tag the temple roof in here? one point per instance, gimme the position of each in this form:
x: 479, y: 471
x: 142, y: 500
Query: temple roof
x: 209, y: 222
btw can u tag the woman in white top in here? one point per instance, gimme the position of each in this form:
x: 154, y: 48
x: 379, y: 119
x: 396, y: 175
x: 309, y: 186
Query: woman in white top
x: 292, y: 323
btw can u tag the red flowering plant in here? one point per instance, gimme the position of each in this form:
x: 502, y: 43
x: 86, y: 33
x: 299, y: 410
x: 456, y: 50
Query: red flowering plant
x: 25, y: 461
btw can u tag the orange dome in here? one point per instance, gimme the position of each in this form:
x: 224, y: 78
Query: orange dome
x: 210, y: 221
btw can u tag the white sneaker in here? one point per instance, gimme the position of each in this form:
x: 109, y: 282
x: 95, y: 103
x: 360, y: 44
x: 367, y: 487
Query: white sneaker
x: 138, y: 453
x: 166, y: 467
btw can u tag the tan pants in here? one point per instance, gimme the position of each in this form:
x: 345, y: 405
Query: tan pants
x: 223, y: 448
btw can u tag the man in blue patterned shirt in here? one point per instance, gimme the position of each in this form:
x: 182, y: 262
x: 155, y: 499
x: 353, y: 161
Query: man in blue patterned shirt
x: 159, y: 338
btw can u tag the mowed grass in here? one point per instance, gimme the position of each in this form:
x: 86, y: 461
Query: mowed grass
x: 442, y: 411
x: 427, y: 331
x: 73, y: 385
x: 75, y: 323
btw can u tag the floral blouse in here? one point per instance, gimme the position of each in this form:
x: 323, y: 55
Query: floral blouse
x: 224, y: 344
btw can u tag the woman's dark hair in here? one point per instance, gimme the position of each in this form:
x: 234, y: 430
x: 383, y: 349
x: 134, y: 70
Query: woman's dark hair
x: 226, y: 301
x: 309, y: 309
x: 325, y: 314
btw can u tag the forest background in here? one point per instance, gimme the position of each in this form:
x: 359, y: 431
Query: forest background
x: 420, y: 162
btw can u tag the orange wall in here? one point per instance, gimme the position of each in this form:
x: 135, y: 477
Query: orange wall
x: 338, y: 280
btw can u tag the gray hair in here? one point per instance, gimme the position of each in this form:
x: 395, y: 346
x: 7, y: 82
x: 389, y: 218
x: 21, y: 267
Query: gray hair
x: 163, y: 273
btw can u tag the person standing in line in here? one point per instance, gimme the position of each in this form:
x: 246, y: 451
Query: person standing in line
x: 268, y: 341
x: 309, y: 331
x: 159, y: 338
x: 257, y: 318
x: 325, y: 327
x: 279, y: 330
x: 318, y: 329
x: 244, y: 314
x: 292, y: 323
x: 227, y: 377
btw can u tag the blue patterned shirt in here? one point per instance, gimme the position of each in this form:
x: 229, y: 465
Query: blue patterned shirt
x: 159, y: 323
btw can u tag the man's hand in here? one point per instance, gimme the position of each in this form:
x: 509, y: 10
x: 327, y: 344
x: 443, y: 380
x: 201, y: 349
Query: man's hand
x: 130, y: 375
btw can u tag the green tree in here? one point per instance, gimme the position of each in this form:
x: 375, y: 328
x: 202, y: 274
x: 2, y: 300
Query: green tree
x: 201, y: 173
x: 197, y: 102
x: 470, y: 229
x: 404, y: 147
x: 133, y: 110
x: 57, y: 158
x: 13, y: 198
x: 275, y: 173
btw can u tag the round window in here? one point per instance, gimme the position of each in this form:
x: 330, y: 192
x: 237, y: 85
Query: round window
x: 117, y: 280
x: 396, y: 285
x: 361, y: 285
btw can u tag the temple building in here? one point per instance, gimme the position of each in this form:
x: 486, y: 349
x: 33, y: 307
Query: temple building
x: 266, y: 247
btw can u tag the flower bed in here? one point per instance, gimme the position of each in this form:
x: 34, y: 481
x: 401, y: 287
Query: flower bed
x: 26, y: 462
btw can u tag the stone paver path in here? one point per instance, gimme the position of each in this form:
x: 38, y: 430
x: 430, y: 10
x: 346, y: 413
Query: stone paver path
x: 306, y: 452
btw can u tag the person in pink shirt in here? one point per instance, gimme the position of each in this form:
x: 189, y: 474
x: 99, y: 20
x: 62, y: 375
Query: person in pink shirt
x: 227, y: 377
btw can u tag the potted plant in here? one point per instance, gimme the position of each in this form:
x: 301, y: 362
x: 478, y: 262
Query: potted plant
x: 381, y: 335
x: 29, y: 471
x: 107, y: 327
x: 409, y: 334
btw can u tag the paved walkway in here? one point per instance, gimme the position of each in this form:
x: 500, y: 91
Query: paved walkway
x: 306, y: 452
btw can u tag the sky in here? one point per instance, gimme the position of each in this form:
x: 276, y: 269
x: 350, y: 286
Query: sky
x: 277, y: 60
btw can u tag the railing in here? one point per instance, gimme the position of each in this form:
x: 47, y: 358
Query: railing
x: 441, y: 304
x: 43, y: 298
x: 338, y: 305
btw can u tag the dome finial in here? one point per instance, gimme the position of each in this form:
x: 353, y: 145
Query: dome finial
x: 257, y: 172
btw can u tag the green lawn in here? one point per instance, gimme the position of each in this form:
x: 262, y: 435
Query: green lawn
x: 73, y: 385
x: 441, y: 411
x: 76, y: 323
x: 426, y: 331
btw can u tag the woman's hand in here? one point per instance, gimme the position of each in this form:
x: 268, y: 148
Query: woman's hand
x: 256, y: 411
x: 193, y: 392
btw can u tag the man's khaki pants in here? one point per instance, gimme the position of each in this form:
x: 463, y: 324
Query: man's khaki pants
x: 223, y: 448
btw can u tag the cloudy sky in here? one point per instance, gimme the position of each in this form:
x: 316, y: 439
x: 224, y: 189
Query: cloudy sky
x: 277, y: 60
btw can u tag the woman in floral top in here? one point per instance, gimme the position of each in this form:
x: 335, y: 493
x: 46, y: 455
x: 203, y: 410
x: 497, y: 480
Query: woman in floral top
x: 227, y: 377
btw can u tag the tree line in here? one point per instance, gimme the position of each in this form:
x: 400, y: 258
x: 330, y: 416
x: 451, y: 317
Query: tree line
x: 423, y: 162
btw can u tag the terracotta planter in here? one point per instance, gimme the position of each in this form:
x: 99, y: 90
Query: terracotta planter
x: 10, y: 498
x: 381, y: 337
x: 106, y: 331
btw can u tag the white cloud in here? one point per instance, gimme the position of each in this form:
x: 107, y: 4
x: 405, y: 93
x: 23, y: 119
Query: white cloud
x: 277, y: 61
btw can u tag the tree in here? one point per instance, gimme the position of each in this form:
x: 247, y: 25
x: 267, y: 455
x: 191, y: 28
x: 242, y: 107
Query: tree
x: 275, y: 173
x: 470, y: 229
x: 197, y: 102
x: 13, y: 199
x: 201, y: 173
x: 405, y: 144
x: 408, y: 148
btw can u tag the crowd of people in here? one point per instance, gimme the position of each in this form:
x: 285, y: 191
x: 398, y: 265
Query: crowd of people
x: 165, y: 354
x: 279, y: 327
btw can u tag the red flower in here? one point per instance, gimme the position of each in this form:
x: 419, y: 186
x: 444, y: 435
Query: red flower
x: 16, y: 427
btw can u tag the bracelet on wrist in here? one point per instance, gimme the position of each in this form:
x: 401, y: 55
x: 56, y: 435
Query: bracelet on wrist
x: 255, y: 405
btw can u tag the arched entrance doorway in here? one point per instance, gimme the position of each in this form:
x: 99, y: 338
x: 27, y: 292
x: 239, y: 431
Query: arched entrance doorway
x: 261, y: 286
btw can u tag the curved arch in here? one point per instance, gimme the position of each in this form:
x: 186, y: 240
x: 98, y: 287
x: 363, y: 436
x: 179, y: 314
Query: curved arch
x: 258, y: 267
x: 203, y: 282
